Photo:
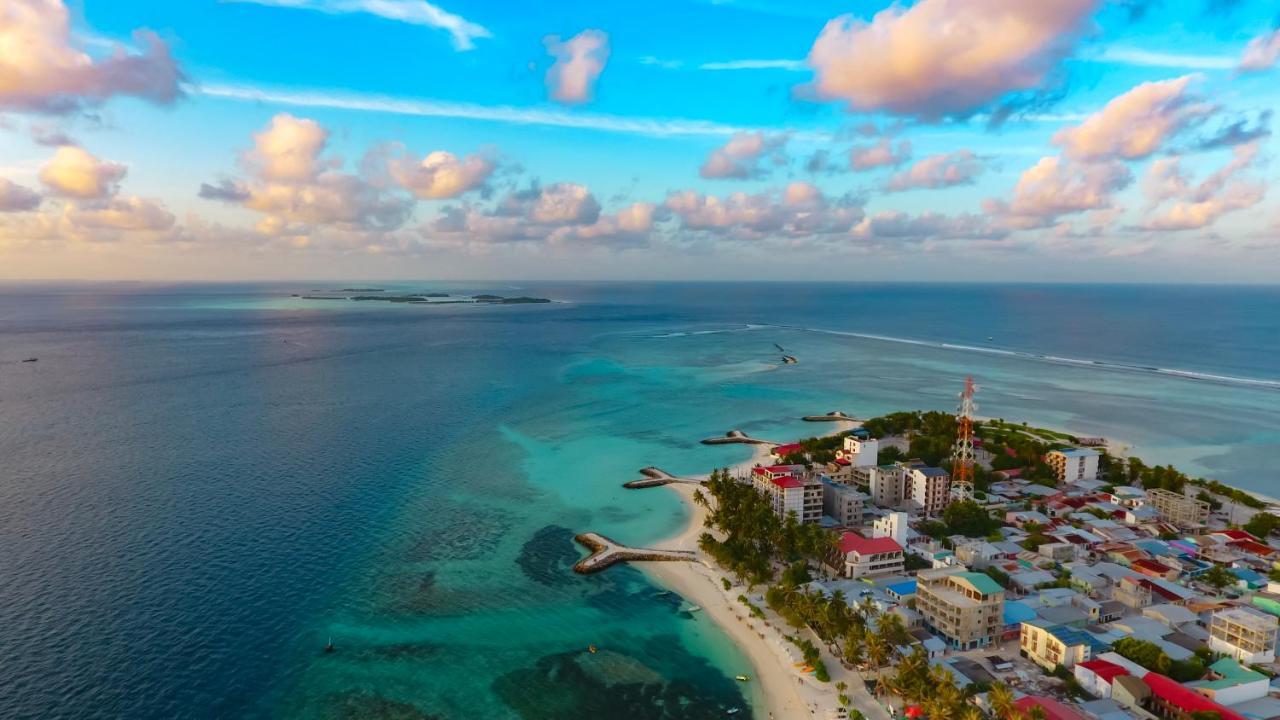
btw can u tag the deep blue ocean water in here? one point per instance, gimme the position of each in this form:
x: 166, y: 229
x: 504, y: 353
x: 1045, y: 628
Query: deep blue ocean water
x: 200, y: 485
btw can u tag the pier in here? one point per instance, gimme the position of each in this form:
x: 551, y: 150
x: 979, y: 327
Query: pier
x: 605, y: 553
x: 657, y: 477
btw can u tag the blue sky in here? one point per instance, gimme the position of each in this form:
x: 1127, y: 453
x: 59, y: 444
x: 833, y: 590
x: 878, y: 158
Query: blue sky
x: 676, y: 139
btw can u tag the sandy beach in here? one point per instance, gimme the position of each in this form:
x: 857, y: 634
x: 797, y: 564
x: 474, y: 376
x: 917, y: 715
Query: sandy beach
x: 787, y: 694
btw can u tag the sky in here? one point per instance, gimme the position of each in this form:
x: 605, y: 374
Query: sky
x: 936, y: 140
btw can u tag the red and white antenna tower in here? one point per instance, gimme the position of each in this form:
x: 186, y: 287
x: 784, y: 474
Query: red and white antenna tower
x: 962, y: 452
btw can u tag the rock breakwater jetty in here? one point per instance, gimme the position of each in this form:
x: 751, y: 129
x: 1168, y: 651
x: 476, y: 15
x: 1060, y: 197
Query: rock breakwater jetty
x: 606, y: 553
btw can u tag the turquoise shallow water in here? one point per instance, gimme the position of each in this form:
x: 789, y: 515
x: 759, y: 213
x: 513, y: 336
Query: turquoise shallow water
x: 201, y: 485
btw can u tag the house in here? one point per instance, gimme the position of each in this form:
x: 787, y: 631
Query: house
x: 1023, y: 518
x: 965, y: 608
x: 1243, y: 634
x: 1128, y: 496
x: 1052, y: 645
x: 929, y: 489
x: 893, y: 525
x: 780, y: 453
x: 859, y: 452
x: 1096, y: 676
x: 1230, y: 683
x: 1170, y: 699
x: 869, y: 557
x: 1072, y: 465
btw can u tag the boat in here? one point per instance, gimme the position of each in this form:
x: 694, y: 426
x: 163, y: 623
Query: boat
x: 989, y: 338
x: 328, y: 647
x: 31, y: 360
x: 591, y: 649
x: 733, y: 711
x: 742, y: 678
x: 693, y: 608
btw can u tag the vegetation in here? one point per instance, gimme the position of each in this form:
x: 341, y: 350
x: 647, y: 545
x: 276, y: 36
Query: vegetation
x: 1262, y: 524
x: 1218, y: 577
x: 1150, y: 656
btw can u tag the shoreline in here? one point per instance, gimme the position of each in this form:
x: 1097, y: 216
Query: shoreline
x: 779, y: 691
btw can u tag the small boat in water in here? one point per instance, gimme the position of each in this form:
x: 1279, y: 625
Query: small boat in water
x: 328, y: 647
x: 32, y: 360
x: 591, y: 649
x: 733, y: 711
x: 742, y: 678
x: 693, y: 608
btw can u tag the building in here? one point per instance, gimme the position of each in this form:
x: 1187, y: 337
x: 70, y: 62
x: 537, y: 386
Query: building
x: 1073, y: 465
x: 1230, y: 683
x: 843, y: 503
x: 965, y: 608
x: 1052, y: 709
x: 1245, y: 635
x: 894, y: 525
x: 1096, y: 676
x: 929, y: 488
x: 790, y: 490
x: 781, y: 452
x: 860, y: 452
x: 1052, y: 645
x: 1178, y: 509
x: 868, y: 557
x: 886, y: 485
x: 1170, y: 699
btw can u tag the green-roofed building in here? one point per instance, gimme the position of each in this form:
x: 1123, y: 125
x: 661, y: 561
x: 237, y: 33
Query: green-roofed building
x: 965, y: 608
x: 1230, y: 683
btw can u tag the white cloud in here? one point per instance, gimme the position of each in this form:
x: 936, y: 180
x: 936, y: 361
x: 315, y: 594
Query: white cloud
x: 792, y: 65
x: 1135, y: 124
x: 1262, y: 52
x: 942, y: 57
x: 16, y: 198
x: 1147, y: 58
x: 1054, y: 187
x: 74, y: 172
x: 882, y: 154
x: 579, y: 62
x: 414, y: 12
x: 1198, y: 206
x: 740, y: 157
x: 43, y: 70
x: 938, y: 171
x: 441, y: 174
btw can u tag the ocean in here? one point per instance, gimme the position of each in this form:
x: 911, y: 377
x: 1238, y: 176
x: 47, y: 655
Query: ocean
x: 202, y: 485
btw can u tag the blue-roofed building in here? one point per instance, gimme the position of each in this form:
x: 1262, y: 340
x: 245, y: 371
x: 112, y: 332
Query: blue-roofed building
x: 901, y: 591
x: 1016, y: 612
x: 1249, y: 579
x: 1052, y: 645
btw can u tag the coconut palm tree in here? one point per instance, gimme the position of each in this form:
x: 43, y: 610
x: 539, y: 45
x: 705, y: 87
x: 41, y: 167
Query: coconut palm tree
x: 1000, y: 697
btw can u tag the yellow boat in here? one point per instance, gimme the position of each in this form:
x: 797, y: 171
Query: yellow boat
x: 591, y: 649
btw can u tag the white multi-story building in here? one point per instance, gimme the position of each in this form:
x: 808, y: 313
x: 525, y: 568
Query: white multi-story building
x: 1073, y: 465
x: 791, y: 490
x: 843, y: 503
x: 929, y: 489
x: 886, y: 485
x: 1247, y: 636
x: 894, y: 526
x: 860, y: 453
x: 868, y: 557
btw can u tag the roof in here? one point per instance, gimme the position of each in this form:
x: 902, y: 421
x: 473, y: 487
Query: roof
x: 1017, y: 612
x: 1236, y: 534
x: 787, y: 481
x: 1233, y: 674
x: 1076, y: 452
x: 1184, y: 698
x: 981, y: 582
x: 1068, y: 635
x: 1053, y: 709
x: 787, y: 449
x: 932, y: 471
x: 853, y: 542
x: 906, y: 587
x: 1108, y: 671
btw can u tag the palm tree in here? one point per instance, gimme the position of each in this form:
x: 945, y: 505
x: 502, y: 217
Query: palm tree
x: 1001, y: 700
x: 1035, y: 712
x: 972, y: 712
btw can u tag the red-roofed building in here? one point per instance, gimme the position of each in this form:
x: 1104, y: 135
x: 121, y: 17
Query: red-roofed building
x: 1173, y: 700
x: 780, y: 452
x: 1053, y: 710
x: 1154, y: 568
x: 1236, y: 534
x: 1253, y: 547
x: 790, y: 490
x: 1096, y: 676
x: 867, y: 557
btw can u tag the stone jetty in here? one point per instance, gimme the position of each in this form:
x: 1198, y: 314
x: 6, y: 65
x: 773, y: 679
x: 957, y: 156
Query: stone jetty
x: 606, y: 553
x: 833, y: 416
x: 657, y: 477
x: 736, y: 436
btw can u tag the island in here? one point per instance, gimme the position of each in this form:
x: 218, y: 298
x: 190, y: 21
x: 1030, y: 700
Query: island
x: 930, y: 564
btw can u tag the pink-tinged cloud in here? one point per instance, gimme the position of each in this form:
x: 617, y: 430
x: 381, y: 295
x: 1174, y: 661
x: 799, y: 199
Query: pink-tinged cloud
x: 944, y: 57
x: 441, y: 174
x: 798, y: 211
x: 16, y: 198
x: 739, y: 158
x: 1261, y: 53
x: 289, y: 149
x: 42, y: 70
x: 882, y: 154
x: 1197, y: 206
x: 74, y: 172
x: 1135, y: 124
x: 131, y: 214
x: 631, y: 226
x: 579, y: 62
x: 897, y: 227
x: 938, y: 171
x: 1054, y: 187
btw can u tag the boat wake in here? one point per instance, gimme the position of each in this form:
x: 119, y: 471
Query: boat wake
x: 1056, y: 359
x: 717, y: 331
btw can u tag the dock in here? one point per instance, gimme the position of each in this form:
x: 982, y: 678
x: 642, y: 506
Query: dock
x: 605, y: 553
x: 657, y: 477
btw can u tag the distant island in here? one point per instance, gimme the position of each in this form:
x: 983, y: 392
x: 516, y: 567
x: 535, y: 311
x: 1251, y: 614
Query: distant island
x: 423, y: 298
